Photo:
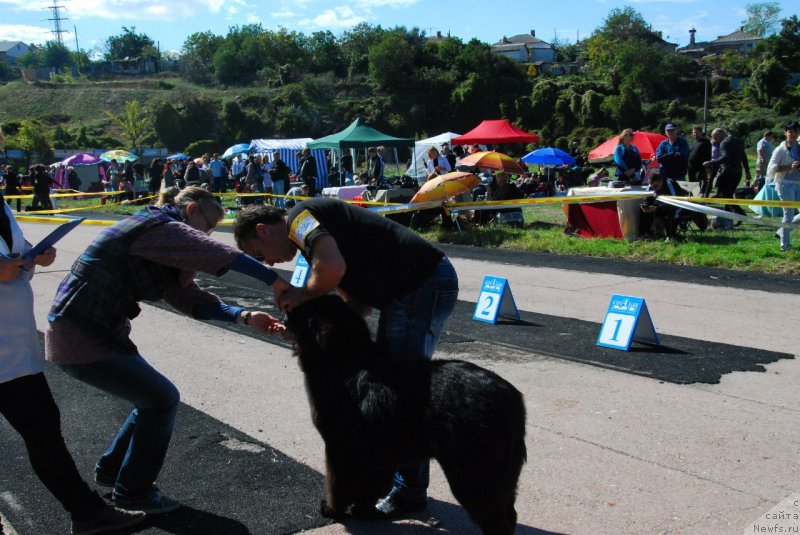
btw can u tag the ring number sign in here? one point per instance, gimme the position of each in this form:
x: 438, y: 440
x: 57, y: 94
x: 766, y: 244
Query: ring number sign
x: 495, y: 300
x: 627, y: 320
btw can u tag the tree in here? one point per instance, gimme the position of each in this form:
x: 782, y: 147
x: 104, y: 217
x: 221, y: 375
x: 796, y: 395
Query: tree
x: 625, y: 50
x: 591, y: 112
x: 762, y: 18
x: 129, y: 44
x: 784, y: 45
x: 391, y: 60
x: 132, y: 122
x: 197, y: 55
x: 356, y: 43
x: 768, y: 81
x: 325, y: 52
x: 32, y: 138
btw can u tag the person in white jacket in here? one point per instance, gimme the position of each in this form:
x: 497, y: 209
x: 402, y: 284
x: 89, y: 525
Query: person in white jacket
x: 25, y: 398
x: 783, y: 169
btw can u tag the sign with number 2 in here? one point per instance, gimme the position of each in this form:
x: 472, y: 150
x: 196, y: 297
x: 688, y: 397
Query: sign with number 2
x: 495, y: 300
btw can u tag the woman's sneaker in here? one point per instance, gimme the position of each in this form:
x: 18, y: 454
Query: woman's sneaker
x: 154, y: 503
x: 109, y: 519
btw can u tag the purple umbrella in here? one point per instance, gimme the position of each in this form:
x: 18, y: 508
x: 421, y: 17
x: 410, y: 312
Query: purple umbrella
x: 81, y: 159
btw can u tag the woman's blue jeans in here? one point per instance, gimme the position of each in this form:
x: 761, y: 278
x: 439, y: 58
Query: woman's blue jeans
x: 136, y: 454
x: 409, y: 328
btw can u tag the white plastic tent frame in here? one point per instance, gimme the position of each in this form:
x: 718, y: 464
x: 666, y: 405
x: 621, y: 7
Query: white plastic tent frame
x: 287, y: 149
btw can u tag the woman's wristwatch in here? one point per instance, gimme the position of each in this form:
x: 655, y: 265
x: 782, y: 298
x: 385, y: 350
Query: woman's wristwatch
x: 244, y: 317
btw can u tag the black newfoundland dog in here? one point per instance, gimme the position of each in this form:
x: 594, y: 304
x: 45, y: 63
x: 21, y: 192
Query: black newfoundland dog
x: 375, y: 415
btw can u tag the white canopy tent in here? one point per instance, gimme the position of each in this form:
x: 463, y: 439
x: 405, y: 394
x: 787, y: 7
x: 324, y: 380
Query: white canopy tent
x: 420, y: 156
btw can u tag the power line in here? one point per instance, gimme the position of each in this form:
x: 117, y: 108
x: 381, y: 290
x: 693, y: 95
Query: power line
x: 57, y: 19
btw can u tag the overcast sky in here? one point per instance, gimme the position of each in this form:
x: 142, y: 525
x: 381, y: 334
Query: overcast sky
x: 169, y: 22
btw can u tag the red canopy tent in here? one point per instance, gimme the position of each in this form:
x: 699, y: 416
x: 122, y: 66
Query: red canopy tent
x: 495, y: 131
x: 646, y: 142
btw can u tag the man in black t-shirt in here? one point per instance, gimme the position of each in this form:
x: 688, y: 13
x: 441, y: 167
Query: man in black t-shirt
x: 372, y: 262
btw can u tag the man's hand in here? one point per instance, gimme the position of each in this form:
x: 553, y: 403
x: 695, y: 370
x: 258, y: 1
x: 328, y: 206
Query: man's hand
x: 11, y: 269
x: 279, y: 287
x: 293, y: 297
x: 265, y: 324
x: 46, y: 258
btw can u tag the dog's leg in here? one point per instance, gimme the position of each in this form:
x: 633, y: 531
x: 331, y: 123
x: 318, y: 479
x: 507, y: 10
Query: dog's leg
x: 485, y: 493
x: 339, y: 486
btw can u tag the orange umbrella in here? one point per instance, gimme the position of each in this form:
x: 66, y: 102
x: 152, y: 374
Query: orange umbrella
x: 646, y: 142
x: 493, y: 160
x: 445, y: 186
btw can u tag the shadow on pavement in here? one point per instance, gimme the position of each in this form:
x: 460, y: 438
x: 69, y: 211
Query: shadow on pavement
x: 440, y: 518
x: 190, y: 521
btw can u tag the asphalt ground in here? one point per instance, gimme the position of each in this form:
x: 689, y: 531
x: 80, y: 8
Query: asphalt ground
x: 661, y: 439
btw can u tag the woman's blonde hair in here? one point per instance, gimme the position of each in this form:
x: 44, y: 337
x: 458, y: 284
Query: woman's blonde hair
x: 624, y: 134
x: 180, y: 198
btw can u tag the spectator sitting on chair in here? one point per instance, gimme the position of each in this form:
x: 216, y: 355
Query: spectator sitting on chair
x: 596, y: 178
x: 500, y: 189
x: 668, y: 215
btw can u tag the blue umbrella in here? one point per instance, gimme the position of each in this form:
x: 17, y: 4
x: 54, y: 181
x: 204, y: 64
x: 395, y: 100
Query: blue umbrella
x: 179, y: 156
x: 236, y: 149
x: 549, y: 156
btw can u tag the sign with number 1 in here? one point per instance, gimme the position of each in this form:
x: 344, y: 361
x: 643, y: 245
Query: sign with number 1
x: 627, y: 319
x: 495, y: 300
x: 300, y: 273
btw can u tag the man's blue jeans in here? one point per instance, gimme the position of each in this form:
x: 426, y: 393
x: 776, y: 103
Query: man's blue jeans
x: 409, y: 328
x: 136, y: 454
x: 277, y: 189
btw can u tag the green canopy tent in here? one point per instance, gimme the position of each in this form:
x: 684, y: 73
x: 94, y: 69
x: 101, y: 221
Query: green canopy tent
x: 359, y: 135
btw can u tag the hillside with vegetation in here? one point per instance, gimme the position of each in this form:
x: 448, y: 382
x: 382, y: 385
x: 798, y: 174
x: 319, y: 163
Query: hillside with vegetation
x: 254, y: 83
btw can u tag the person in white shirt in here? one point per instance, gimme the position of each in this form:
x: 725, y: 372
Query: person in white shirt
x: 436, y: 163
x: 784, y: 169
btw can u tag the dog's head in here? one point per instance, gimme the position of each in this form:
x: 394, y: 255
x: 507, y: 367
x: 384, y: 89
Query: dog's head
x: 328, y: 333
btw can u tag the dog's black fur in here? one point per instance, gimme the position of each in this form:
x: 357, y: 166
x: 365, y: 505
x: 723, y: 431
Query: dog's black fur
x: 376, y: 415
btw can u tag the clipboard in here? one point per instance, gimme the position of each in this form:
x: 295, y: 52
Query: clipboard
x: 51, y: 239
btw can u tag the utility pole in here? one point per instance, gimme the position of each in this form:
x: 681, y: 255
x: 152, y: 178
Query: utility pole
x: 57, y: 19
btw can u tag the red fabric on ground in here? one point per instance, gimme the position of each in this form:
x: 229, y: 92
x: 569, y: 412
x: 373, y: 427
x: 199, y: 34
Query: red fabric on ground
x: 595, y: 220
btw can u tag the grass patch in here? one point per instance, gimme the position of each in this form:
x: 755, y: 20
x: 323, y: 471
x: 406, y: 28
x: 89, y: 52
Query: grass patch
x: 748, y: 247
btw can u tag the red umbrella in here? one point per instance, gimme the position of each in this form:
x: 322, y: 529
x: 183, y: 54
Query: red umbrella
x: 646, y: 142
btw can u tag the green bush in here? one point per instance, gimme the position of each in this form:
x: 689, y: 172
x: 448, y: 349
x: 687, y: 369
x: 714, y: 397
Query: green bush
x: 198, y: 148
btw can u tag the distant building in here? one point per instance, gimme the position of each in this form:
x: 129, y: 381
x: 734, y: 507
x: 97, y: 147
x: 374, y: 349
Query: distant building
x: 525, y: 48
x: 739, y: 41
x: 11, y: 50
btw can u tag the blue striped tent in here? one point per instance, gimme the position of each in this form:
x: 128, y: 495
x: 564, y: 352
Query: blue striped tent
x: 288, y: 149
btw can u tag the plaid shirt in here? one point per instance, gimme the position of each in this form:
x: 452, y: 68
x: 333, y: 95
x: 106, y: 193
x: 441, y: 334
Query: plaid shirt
x: 105, y: 284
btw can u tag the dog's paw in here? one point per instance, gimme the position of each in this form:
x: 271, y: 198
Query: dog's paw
x: 329, y: 512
